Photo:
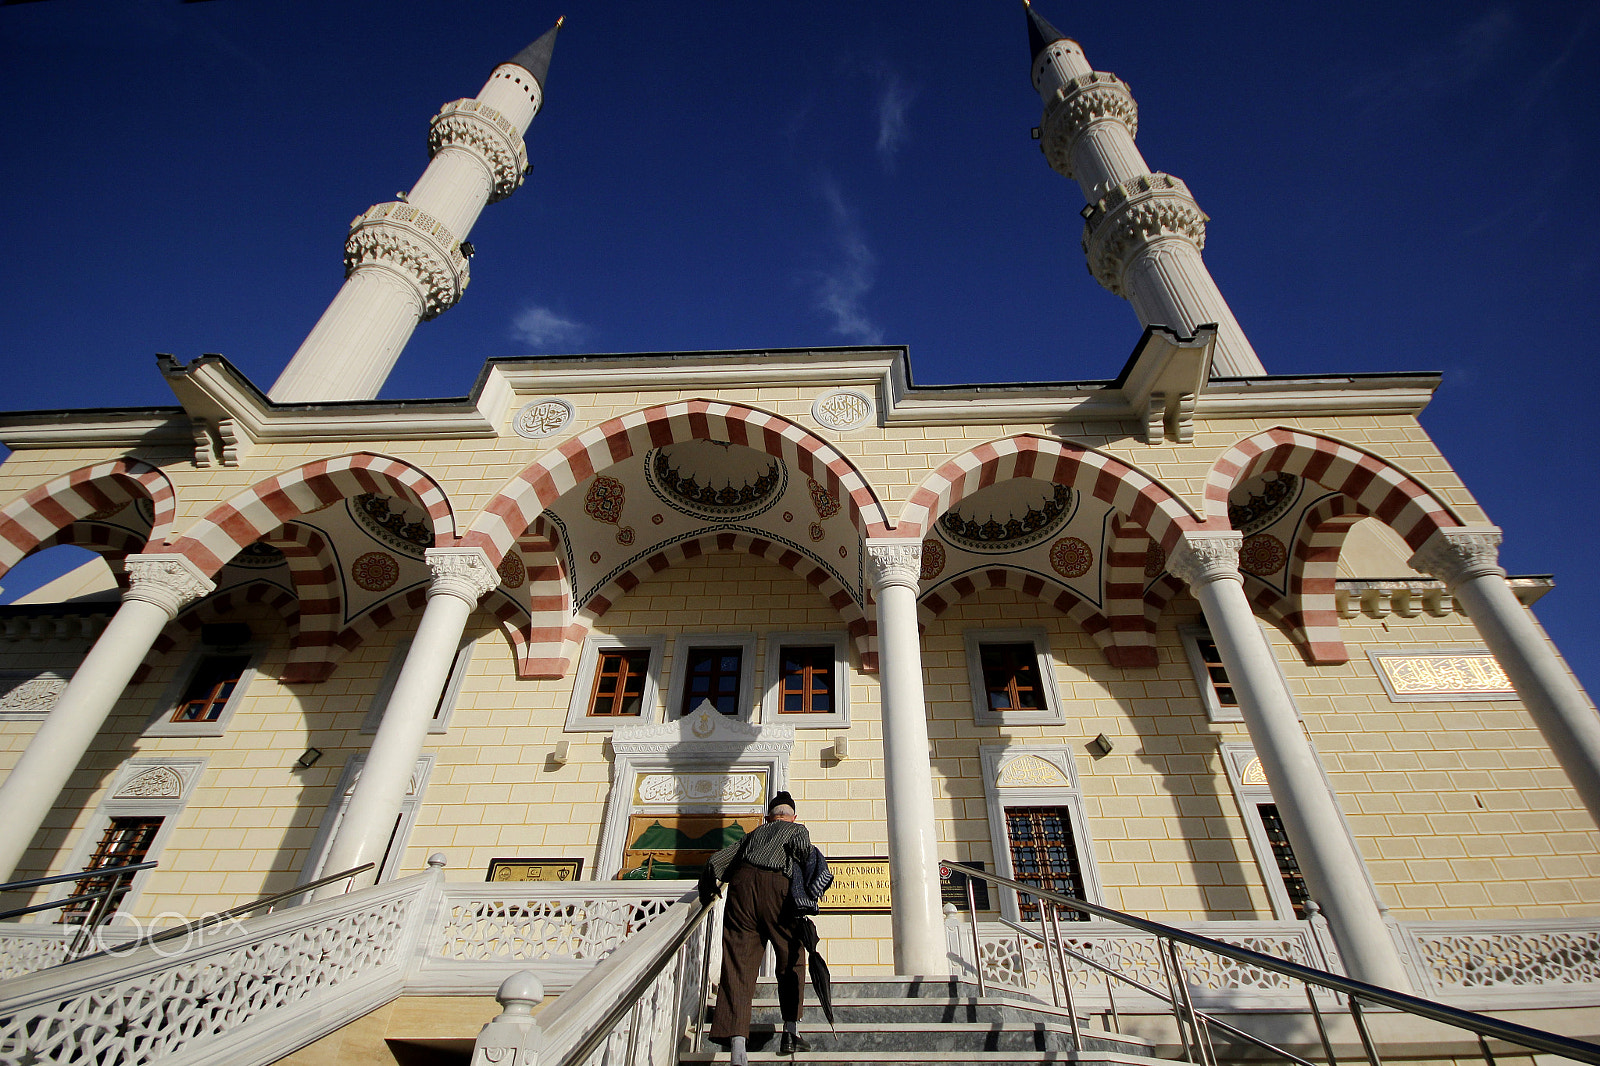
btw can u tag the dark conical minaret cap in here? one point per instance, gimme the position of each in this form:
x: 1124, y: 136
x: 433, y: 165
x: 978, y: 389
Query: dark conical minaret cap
x: 1041, y: 34
x: 535, y: 59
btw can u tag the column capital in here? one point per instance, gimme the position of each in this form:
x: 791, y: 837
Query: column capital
x: 1204, y: 556
x: 464, y: 573
x: 1460, y: 553
x: 894, y: 562
x: 171, y: 582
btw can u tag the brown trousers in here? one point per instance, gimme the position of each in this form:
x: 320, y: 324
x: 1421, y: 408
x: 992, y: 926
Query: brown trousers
x: 752, y: 917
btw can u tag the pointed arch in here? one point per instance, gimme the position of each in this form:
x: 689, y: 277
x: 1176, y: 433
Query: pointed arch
x: 1144, y: 500
x: 1308, y: 615
x: 315, y: 574
x: 265, y: 506
x: 42, y: 512
x: 1379, y: 488
x: 557, y: 472
x: 1133, y: 628
x: 838, y: 597
x: 544, y: 632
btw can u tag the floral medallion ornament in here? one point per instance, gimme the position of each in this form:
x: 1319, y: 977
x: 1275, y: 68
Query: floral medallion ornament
x: 594, y: 557
x: 1070, y: 557
x: 375, y: 571
x: 842, y: 409
x: 788, y: 516
x: 1262, y: 554
x: 1155, y: 560
x: 541, y: 418
x: 512, y: 572
x: 932, y: 559
x: 844, y: 553
x: 625, y: 535
x: 816, y: 531
x: 822, y: 500
x: 657, y: 518
x: 605, y: 500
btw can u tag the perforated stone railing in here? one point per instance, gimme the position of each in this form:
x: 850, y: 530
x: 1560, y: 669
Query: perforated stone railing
x: 1015, y: 959
x: 237, y: 993
x: 25, y: 948
x: 483, y: 933
x: 1538, y: 961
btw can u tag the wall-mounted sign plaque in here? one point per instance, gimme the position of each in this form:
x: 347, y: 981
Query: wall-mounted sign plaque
x: 860, y: 886
x: 535, y: 870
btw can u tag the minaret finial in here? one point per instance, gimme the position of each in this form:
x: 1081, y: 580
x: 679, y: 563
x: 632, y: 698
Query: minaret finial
x: 1041, y: 34
x: 535, y: 58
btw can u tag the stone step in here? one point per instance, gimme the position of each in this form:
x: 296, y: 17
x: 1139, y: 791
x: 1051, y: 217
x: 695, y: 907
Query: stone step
x: 880, y: 1058
x: 937, y: 988
x: 923, y: 1011
x: 917, y: 1040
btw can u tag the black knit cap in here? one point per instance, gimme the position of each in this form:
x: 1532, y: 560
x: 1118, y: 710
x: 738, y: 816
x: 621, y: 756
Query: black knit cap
x: 782, y: 799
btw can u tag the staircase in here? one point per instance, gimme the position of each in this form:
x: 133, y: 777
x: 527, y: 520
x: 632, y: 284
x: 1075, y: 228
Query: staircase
x: 893, y: 1021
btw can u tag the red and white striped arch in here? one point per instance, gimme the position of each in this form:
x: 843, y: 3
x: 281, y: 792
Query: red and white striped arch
x: 219, y: 607
x: 264, y: 507
x: 944, y: 595
x: 557, y: 472
x: 315, y: 573
x: 861, y: 632
x: 1378, y: 487
x: 545, y: 649
x: 39, y: 514
x: 111, y: 543
x: 1308, y: 614
x: 386, y: 614
x: 1138, y: 496
x: 1133, y: 627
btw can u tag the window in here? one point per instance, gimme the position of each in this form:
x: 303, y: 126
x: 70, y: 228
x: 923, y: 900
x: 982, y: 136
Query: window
x: 807, y: 680
x: 619, y: 683
x: 1278, y: 840
x: 440, y: 722
x: 1044, y: 853
x: 1211, y: 677
x: 713, y: 668
x: 125, y: 842
x: 712, y: 675
x: 616, y: 683
x: 1011, y: 678
x: 1037, y: 826
x: 210, y: 686
x: 333, y: 817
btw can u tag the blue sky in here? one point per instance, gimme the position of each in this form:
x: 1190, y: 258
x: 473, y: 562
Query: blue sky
x: 1391, y: 187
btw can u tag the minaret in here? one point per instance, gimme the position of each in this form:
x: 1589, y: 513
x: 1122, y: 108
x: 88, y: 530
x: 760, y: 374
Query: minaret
x: 406, y: 261
x: 1142, y: 231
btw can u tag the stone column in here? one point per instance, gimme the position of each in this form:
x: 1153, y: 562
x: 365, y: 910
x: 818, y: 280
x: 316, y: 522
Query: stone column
x: 1466, y: 559
x: 162, y: 586
x: 461, y: 577
x: 1209, y: 563
x: 896, y: 571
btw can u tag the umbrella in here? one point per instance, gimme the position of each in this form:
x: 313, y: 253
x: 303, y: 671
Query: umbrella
x: 821, y: 979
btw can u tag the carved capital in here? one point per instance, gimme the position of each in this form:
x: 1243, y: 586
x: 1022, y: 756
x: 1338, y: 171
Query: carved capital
x: 1079, y: 104
x: 1460, y: 554
x: 414, y: 244
x: 1131, y: 217
x: 1201, y: 558
x: 171, y: 582
x: 895, y: 562
x: 486, y: 133
x: 461, y: 572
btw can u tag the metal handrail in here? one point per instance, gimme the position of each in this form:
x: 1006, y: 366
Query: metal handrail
x: 1481, y: 1024
x: 114, y: 872
x: 233, y: 912
x: 600, y: 1033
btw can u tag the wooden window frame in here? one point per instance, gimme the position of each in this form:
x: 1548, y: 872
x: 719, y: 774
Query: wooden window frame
x: 579, y: 720
x: 976, y: 640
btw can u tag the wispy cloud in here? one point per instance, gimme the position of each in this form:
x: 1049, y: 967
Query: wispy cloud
x: 841, y: 288
x: 893, y: 100
x: 542, y: 327
x: 1442, y: 68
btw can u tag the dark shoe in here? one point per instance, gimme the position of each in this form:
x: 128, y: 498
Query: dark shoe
x: 792, y: 1043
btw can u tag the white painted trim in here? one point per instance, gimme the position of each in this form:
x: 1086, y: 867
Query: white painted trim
x: 333, y: 816
x: 770, y: 709
x: 993, y: 759
x: 1235, y: 758
x: 162, y: 725
x: 685, y: 642
x: 1215, y: 712
x: 443, y: 710
x: 578, y: 720
x: 1053, y: 714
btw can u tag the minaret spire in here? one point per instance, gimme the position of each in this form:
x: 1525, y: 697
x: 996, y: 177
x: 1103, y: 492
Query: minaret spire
x: 1142, y: 231
x: 406, y: 260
